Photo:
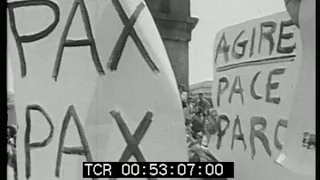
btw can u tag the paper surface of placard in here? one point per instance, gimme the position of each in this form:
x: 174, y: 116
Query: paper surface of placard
x: 10, y: 96
x: 141, y: 88
x: 298, y: 154
x: 85, y: 90
x: 9, y: 76
x: 256, y: 67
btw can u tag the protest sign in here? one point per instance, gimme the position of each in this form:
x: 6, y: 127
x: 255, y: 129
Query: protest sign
x: 256, y: 67
x: 298, y: 153
x: 138, y: 98
x: 9, y: 77
x: 53, y: 78
x: 69, y: 98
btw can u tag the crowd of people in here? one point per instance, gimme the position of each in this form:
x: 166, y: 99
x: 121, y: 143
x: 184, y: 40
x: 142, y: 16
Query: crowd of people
x: 11, y: 149
x: 201, y: 124
x: 11, y: 141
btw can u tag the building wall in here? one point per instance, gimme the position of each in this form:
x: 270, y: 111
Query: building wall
x: 202, y: 87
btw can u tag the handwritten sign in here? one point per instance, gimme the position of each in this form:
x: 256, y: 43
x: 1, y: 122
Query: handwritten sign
x: 298, y: 153
x: 80, y: 65
x: 256, y: 67
x: 137, y: 102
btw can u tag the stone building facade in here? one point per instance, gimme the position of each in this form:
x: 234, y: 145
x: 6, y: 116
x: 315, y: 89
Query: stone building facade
x: 204, y: 87
x: 175, y: 25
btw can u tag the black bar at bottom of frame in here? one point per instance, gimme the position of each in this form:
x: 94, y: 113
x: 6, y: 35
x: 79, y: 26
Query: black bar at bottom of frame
x: 158, y: 170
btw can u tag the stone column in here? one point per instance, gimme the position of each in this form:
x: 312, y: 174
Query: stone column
x: 175, y: 26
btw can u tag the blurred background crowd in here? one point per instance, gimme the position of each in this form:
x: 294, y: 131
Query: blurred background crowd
x: 11, y: 137
x: 201, y: 124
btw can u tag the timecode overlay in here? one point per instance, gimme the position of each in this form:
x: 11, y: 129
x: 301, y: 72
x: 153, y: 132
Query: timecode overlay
x: 158, y: 170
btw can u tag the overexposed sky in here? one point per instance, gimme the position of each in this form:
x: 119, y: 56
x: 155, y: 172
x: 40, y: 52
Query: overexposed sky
x: 215, y: 15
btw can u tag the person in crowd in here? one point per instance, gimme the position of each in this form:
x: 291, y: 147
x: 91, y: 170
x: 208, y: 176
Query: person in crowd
x: 11, y: 148
x: 197, y: 125
x: 197, y: 115
x: 12, y: 129
x: 181, y: 88
x: 197, y: 152
x: 210, y: 127
x: 10, y: 141
x: 203, y: 104
x: 11, y: 134
x: 197, y: 129
x: 191, y: 140
x: 183, y: 95
x: 188, y: 110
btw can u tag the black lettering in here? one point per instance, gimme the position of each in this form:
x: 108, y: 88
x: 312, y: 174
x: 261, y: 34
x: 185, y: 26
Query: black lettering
x: 241, y: 44
x: 78, y: 43
x: 221, y: 90
x: 259, y: 134
x: 267, y: 35
x: 223, y: 47
x: 81, y: 151
x: 128, y: 29
x: 133, y: 141
x: 119, y: 46
x: 252, y: 89
x: 287, y: 49
x: 33, y: 37
x: 239, y: 136
x: 29, y: 146
x: 252, y: 41
x: 236, y: 89
x: 282, y: 123
x: 271, y: 86
x: 222, y: 132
